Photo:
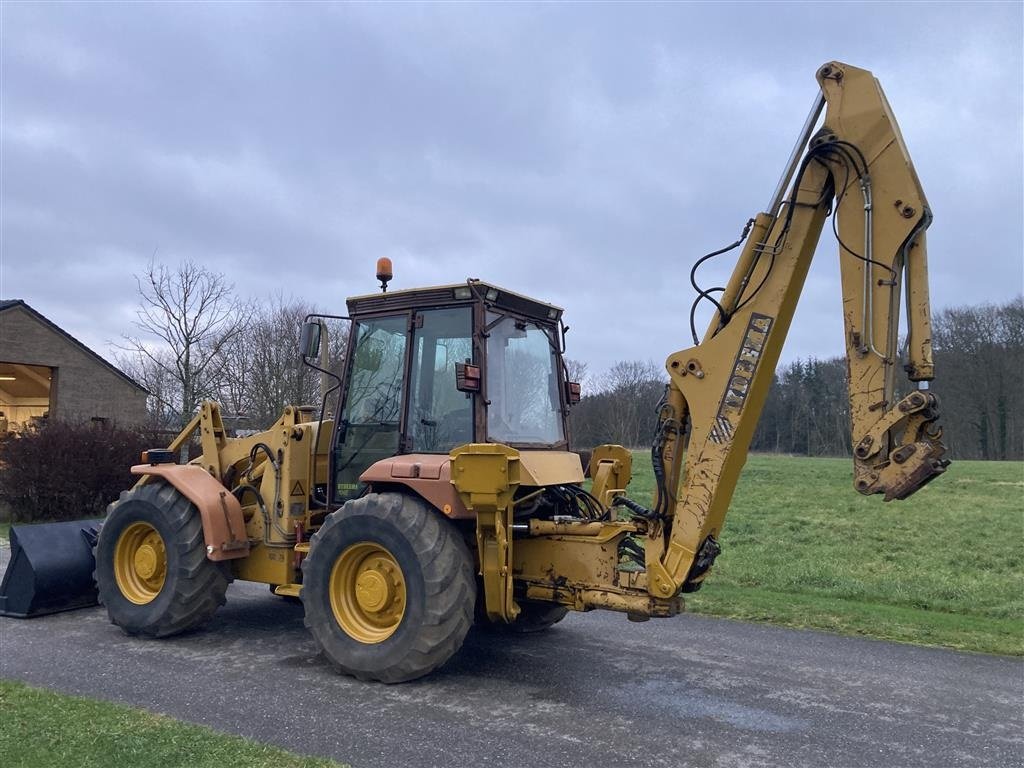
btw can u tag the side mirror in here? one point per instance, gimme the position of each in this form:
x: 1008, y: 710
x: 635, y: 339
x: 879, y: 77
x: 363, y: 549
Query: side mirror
x: 309, y: 340
x: 572, y: 392
x: 467, y: 377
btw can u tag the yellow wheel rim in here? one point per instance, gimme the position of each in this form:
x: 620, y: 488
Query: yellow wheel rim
x: 367, y: 592
x: 140, y: 563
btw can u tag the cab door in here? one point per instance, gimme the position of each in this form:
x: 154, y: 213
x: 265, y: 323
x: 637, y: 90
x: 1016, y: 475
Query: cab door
x: 370, y: 425
x: 440, y: 417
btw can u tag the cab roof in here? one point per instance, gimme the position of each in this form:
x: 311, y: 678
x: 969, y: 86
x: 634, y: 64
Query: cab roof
x: 454, y: 294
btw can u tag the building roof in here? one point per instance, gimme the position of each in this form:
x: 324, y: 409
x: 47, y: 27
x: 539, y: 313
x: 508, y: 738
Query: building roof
x: 6, y: 304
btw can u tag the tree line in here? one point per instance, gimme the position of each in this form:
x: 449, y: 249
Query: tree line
x: 979, y: 363
x: 195, y: 339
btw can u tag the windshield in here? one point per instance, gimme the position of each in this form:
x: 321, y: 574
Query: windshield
x: 522, y: 384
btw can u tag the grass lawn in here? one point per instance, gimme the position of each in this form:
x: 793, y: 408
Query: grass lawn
x: 802, y: 548
x: 42, y: 728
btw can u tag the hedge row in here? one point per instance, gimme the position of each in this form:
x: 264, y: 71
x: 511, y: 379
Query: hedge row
x: 64, y: 471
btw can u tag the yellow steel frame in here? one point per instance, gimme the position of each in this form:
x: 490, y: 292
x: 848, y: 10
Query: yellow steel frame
x: 283, y: 476
x: 722, y: 383
x: 487, y: 476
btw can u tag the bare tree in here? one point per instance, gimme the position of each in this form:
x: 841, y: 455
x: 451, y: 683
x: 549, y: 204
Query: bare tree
x: 153, y: 371
x: 262, y: 370
x: 623, y: 409
x: 576, y: 370
x: 186, y: 317
x: 979, y: 361
x: 634, y: 388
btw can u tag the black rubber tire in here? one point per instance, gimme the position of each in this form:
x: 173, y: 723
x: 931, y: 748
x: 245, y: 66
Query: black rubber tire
x: 533, y: 617
x: 194, y: 586
x: 439, y: 579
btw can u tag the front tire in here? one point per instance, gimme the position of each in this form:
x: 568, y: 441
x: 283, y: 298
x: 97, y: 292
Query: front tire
x: 388, y: 588
x: 152, y: 573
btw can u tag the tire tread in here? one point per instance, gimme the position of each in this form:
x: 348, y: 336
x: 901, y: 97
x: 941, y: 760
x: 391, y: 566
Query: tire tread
x: 448, y: 578
x: 199, y: 585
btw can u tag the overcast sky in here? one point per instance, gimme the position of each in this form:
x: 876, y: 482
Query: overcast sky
x: 582, y: 154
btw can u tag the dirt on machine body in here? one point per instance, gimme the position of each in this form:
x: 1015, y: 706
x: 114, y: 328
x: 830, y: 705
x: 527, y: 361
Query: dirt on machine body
x: 443, y: 490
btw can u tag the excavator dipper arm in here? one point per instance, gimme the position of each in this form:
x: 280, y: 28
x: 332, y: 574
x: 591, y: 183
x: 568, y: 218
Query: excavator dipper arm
x: 857, y: 167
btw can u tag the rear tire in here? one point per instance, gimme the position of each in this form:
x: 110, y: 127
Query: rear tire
x: 533, y: 617
x: 152, y: 573
x: 388, y: 587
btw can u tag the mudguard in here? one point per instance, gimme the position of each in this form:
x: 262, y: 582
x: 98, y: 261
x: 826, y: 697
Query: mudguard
x: 223, y: 522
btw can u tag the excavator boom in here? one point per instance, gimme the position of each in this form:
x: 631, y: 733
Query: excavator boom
x: 856, y: 168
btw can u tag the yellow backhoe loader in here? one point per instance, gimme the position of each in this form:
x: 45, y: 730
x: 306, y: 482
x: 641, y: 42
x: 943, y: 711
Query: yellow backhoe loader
x: 444, y: 492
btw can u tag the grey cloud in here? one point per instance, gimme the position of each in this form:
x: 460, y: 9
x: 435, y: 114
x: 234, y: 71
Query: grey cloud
x: 583, y: 154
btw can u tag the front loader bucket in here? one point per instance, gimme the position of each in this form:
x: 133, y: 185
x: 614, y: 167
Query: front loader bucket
x: 50, y: 569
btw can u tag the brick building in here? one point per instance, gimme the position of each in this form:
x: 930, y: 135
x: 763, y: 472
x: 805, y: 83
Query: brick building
x: 44, y: 371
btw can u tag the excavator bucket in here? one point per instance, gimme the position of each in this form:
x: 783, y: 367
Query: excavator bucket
x: 50, y: 569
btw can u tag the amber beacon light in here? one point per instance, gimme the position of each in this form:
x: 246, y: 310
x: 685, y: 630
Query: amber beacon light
x: 384, y: 273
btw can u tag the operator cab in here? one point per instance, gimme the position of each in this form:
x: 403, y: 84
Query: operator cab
x: 431, y: 369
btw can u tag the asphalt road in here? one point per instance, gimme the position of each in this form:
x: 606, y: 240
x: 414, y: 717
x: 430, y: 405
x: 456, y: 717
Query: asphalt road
x: 594, y: 691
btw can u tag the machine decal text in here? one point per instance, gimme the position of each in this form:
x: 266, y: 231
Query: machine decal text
x: 743, y: 370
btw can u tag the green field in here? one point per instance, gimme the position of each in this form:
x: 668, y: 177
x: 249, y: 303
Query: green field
x: 802, y: 548
x: 41, y: 728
